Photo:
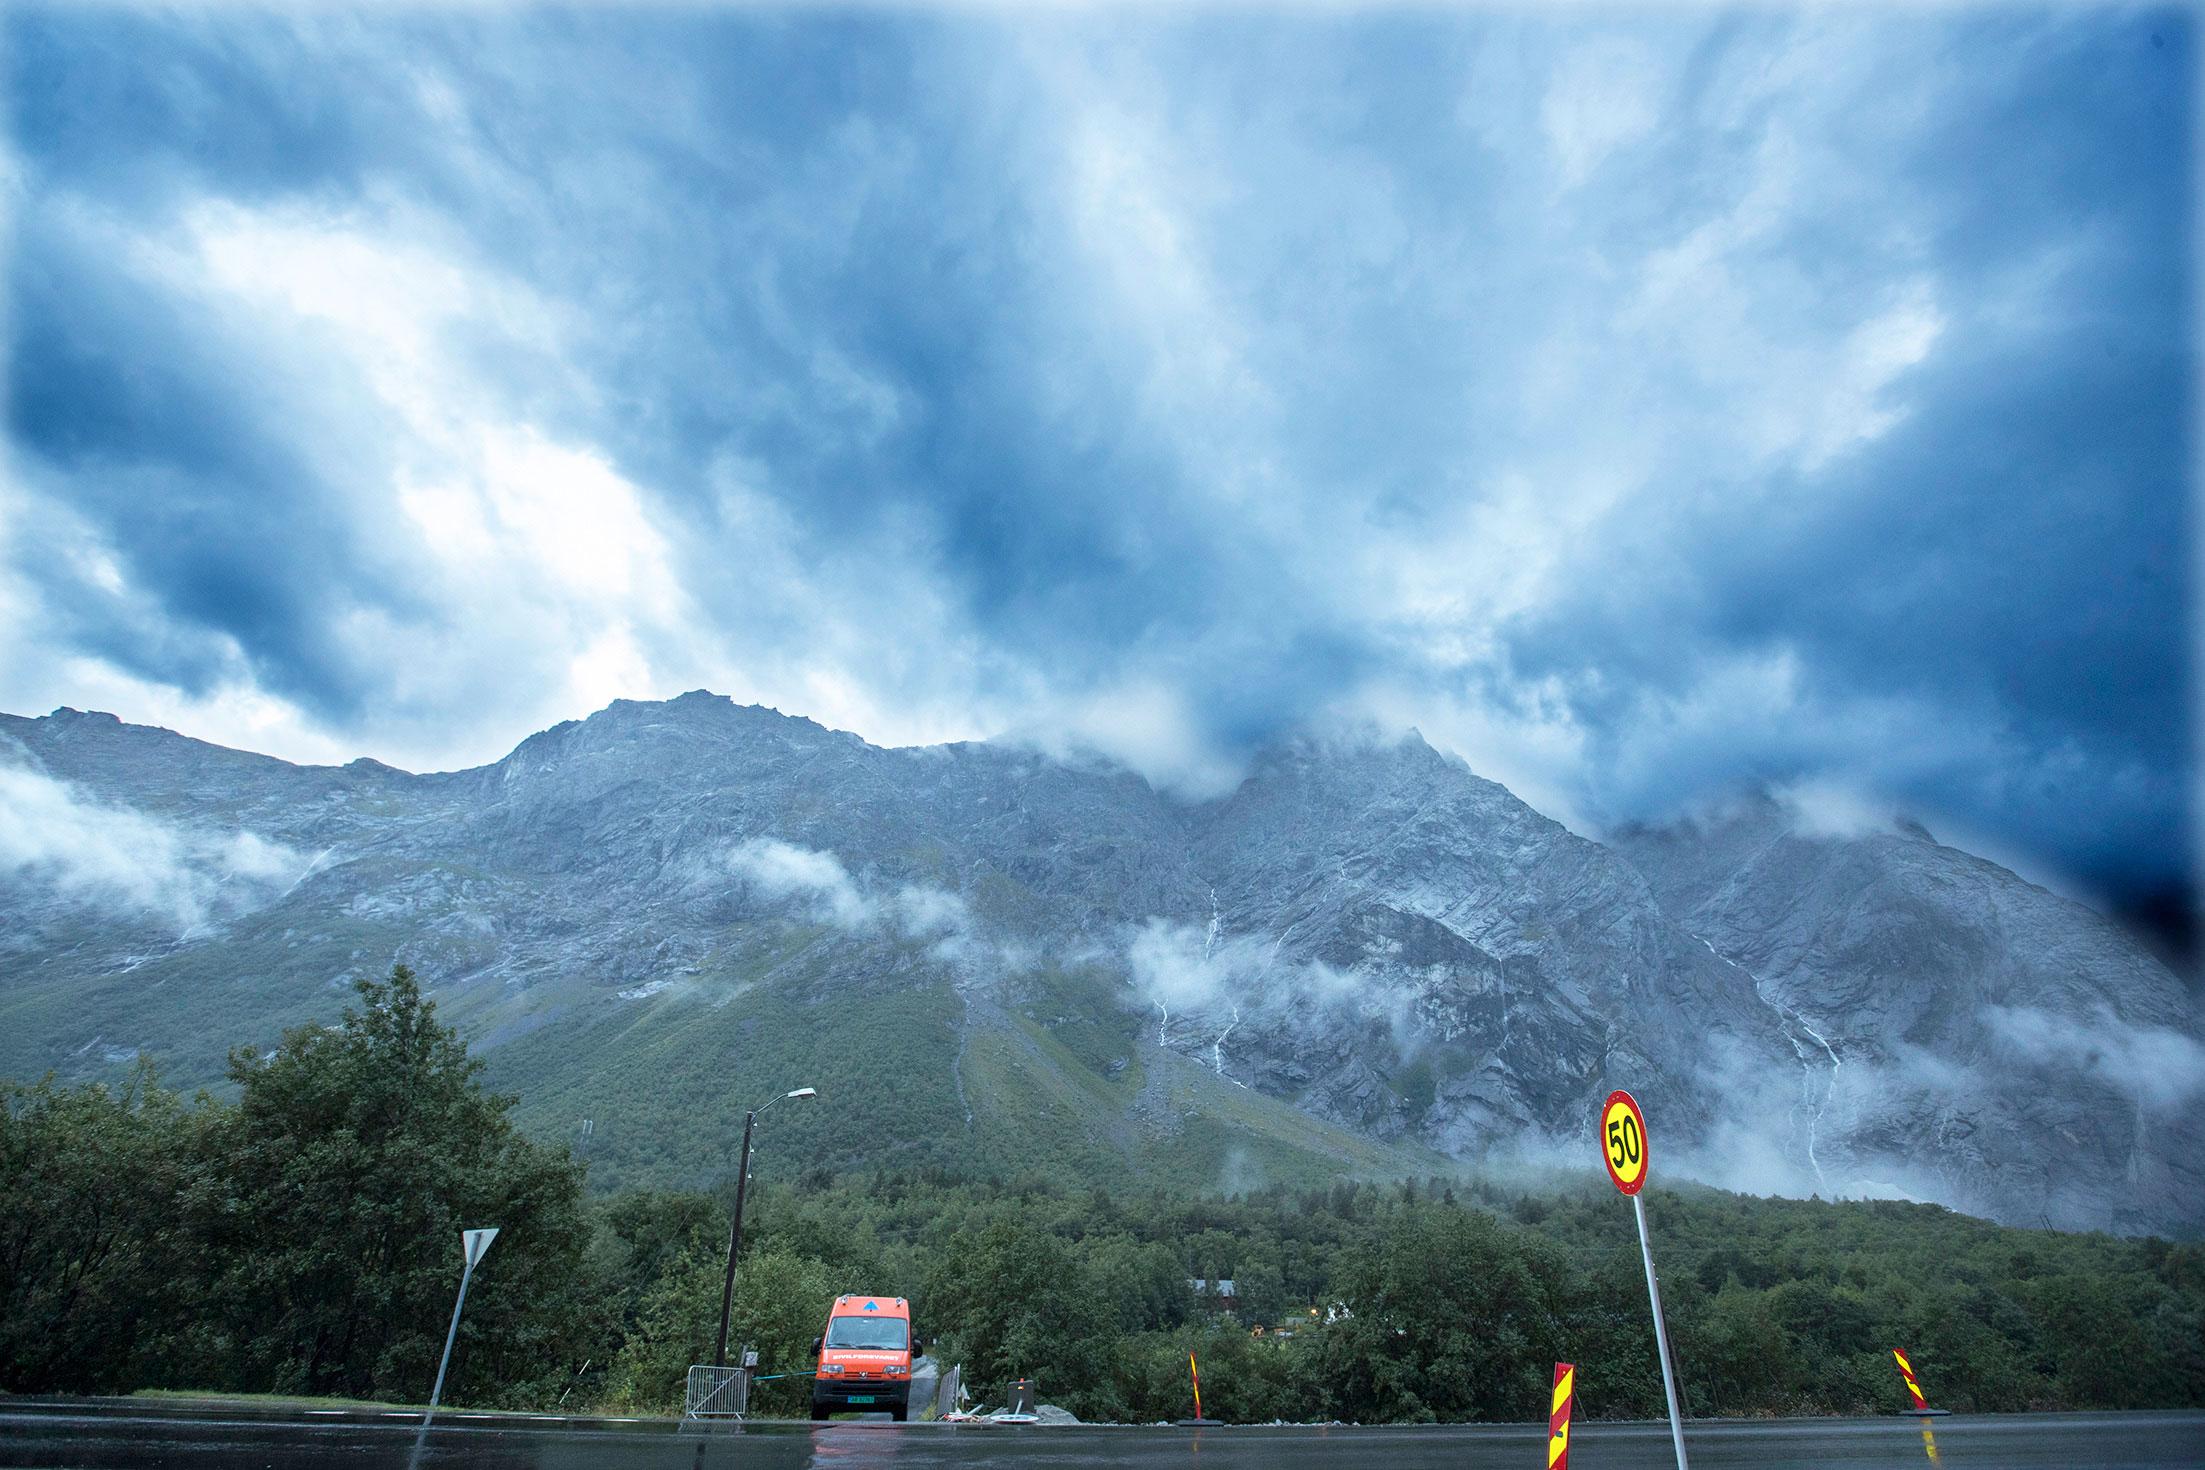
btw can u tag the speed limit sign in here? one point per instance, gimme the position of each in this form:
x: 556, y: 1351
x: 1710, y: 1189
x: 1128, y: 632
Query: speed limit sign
x: 1623, y: 1150
x: 1623, y: 1141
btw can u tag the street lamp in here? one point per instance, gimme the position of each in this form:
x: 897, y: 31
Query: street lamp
x: 735, y: 1233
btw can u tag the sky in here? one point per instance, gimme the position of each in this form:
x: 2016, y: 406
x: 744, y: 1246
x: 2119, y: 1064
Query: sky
x: 1641, y: 404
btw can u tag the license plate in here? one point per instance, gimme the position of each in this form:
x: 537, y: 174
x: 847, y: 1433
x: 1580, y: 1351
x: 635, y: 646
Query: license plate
x: 861, y: 1398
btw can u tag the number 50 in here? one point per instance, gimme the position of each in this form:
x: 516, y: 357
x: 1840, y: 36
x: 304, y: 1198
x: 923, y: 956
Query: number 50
x: 1623, y: 1141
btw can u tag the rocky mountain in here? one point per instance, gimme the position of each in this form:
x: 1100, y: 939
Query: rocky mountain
x: 1980, y: 1040
x: 1364, y: 959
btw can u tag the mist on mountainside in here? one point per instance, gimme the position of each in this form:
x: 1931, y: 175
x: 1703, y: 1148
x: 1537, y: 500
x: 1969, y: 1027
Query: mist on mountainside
x: 1363, y: 958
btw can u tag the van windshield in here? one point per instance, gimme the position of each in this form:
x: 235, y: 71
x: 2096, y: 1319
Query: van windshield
x: 883, y: 1334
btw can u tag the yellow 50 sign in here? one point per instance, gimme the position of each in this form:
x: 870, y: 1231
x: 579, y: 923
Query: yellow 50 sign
x: 1623, y: 1150
x: 1623, y: 1141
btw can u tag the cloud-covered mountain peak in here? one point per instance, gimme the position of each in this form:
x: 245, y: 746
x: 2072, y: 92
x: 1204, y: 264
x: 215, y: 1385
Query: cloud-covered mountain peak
x: 1364, y: 932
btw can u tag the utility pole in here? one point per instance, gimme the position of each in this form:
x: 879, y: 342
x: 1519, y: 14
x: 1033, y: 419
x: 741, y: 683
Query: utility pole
x: 734, y: 1243
x: 735, y: 1229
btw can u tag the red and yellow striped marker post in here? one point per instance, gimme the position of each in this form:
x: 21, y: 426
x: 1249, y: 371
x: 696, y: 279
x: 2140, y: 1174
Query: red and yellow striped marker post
x: 1558, y: 1421
x: 1906, y: 1371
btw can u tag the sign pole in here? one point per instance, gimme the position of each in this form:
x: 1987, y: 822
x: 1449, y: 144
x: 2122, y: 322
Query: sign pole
x: 1625, y: 1149
x: 1661, y: 1334
x: 476, y: 1244
x: 466, y: 1274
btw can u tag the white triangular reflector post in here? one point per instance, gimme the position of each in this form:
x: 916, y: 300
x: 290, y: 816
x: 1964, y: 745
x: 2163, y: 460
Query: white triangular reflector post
x: 478, y: 1244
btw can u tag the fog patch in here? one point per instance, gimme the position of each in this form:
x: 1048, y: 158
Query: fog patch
x: 1871, y: 1135
x: 119, y: 860
x: 1239, y: 1172
x: 817, y: 884
x: 1145, y: 726
x: 1202, y: 989
x: 816, y: 880
x: 1190, y: 966
x: 2160, y: 1070
x: 1824, y: 808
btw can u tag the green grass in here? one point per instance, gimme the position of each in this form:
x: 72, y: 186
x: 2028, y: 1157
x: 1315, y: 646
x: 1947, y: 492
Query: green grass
x: 188, y: 1009
x: 1291, y: 1146
x: 664, y: 1080
x: 273, y: 1400
x: 308, y: 1401
x: 1036, y: 1110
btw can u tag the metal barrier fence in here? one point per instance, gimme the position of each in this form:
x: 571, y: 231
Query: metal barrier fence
x: 717, y: 1392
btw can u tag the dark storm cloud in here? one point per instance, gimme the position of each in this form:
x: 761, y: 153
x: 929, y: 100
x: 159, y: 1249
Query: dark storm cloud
x: 2012, y: 558
x: 226, y: 497
x: 1638, y: 406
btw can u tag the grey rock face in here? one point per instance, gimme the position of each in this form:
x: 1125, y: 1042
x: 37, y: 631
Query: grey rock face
x: 1366, y: 935
x: 1522, y: 969
x: 1983, y: 1041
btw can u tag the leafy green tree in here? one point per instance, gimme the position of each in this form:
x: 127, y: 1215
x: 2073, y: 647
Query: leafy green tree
x: 1245, y: 1380
x: 1739, y: 1355
x: 1454, y: 1318
x: 780, y: 1308
x: 1141, y: 1285
x: 91, y: 1277
x: 2101, y: 1355
x: 354, y: 1158
x: 304, y: 1239
x: 1016, y: 1301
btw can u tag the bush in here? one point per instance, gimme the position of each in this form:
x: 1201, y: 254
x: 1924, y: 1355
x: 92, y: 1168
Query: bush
x: 781, y: 1303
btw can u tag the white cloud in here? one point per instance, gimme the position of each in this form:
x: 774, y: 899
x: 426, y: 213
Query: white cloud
x: 1764, y: 365
x: 1858, y: 404
x: 1212, y: 276
x: 1602, y: 99
x: 1198, y: 973
x: 1134, y: 206
x: 117, y: 859
x: 1759, y: 711
x: 1177, y: 966
x: 1144, y: 724
x: 1525, y: 735
x: 1827, y: 807
x: 819, y: 884
x: 2162, y: 1070
x: 40, y: 672
x: 779, y: 870
x: 545, y: 553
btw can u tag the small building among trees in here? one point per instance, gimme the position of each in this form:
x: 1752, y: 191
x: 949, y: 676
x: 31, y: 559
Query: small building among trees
x: 1216, y: 1296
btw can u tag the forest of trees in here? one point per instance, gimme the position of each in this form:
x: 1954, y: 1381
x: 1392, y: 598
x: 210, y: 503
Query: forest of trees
x: 303, y: 1239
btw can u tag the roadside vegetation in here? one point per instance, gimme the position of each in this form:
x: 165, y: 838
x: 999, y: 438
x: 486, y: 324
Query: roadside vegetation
x: 303, y: 1240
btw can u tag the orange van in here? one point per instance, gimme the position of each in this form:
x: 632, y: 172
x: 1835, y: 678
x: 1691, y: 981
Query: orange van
x: 865, y: 1357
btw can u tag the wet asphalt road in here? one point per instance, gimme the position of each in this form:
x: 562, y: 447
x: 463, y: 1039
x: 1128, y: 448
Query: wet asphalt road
x: 135, y: 1436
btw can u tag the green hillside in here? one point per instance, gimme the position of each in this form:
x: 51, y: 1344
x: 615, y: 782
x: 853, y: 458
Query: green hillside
x: 1054, y: 1072
x: 300, y: 1239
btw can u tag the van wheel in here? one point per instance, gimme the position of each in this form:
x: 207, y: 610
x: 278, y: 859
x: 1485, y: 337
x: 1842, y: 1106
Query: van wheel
x: 900, y: 1413
x: 819, y: 1413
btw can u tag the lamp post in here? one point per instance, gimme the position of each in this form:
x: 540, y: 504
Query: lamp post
x: 735, y: 1232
